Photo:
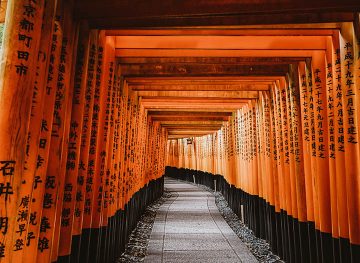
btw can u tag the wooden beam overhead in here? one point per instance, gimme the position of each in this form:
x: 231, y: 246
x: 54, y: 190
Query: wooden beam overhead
x: 129, y: 9
x: 203, y: 70
x: 143, y: 52
x: 189, y: 118
x: 254, y: 86
x: 200, y: 79
x: 185, y: 123
x: 112, y: 14
x: 200, y: 94
x: 222, y: 42
x: 187, y: 113
x: 273, y: 30
x: 211, y: 60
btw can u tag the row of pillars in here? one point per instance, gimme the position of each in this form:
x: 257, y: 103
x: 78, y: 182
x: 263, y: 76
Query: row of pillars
x: 297, y: 147
x: 75, y: 145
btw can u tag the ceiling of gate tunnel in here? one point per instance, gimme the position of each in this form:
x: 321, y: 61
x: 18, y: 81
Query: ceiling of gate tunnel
x: 192, y: 64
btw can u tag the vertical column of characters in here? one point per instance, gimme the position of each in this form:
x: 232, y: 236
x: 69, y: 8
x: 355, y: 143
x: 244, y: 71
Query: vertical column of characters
x: 126, y: 143
x: 93, y: 80
x: 338, y: 93
x: 351, y: 103
x: 144, y: 142
x: 22, y: 238
x: 241, y: 147
x: 289, y: 146
x: 322, y: 152
x: 277, y: 144
x: 83, y: 168
x: 109, y: 127
x: 38, y: 187
x: 127, y: 175
x: 311, y: 106
x: 71, y: 28
x: 329, y: 91
x: 123, y: 135
x: 104, y: 142
x: 256, y: 145
x: 231, y: 152
x: 296, y: 147
x: 263, y: 178
x: 142, y: 139
x: 260, y: 149
x: 55, y: 175
x: 306, y: 140
x: 135, y: 151
x: 356, y: 241
x: 111, y: 193
x: 269, y: 182
x: 98, y: 155
x: 260, y: 146
x: 119, y: 157
x: 247, y: 149
x: 107, y: 77
x: 284, y: 145
x: 73, y: 154
x: 18, y: 70
x: 273, y: 154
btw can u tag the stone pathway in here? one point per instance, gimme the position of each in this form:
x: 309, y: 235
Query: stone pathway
x: 189, y: 228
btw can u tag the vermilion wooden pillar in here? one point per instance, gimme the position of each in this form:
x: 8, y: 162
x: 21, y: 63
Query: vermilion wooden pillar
x: 74, y: 144
x: 351, y: 102
x: 17, y: 73
x: 55, y: 177
x: 34, y: 157
x: 36, y: 205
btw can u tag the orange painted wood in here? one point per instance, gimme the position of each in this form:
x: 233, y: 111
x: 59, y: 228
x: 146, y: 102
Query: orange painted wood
x: 84, y: 169
x: 73, y: 155
x: 306, y: 140
x: 107, y: 76
x: 54, y: 182
x: 34, y: 157
x: 351, y: 102
x: 19, y: 57
x: 37, y: 197
x: 297, y: 145
x: 331, y: 137
x: 91, y: 176
x: 338, y: 94
x: 322, y: 155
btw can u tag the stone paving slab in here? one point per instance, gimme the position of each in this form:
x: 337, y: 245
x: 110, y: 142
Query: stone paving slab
x: 189, y: 228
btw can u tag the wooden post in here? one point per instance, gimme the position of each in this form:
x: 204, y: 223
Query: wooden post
x: 36, y: 205
x: 17, y: 73
x: 56, y: 164
x: 33, y: 157
x: 73, y: 155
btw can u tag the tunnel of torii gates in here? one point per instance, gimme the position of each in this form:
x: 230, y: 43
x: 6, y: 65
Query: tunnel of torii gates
x: 260, y: 101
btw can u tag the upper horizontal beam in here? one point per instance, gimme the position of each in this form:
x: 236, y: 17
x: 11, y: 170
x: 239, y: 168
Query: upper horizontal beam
x: 221, y: 42
x: 184, y: 69
x: 212, y: 87
x: 274, y: 30
x: 200, y: 94
x: 211, y: 53
x: 110, y: 14
x: 186, y: 8
x: 211, y: 60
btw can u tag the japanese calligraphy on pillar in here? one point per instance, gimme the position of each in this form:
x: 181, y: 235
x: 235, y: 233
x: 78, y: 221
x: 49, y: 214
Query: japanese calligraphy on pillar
x: 20, y: 53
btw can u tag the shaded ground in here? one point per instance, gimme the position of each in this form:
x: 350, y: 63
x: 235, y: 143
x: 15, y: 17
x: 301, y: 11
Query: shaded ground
x: 191, y: 223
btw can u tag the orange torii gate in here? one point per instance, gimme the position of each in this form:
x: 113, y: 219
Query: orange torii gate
x: 84, y: 133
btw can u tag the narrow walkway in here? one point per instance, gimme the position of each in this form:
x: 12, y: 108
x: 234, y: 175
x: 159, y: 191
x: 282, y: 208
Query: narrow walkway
x: 189, y: 228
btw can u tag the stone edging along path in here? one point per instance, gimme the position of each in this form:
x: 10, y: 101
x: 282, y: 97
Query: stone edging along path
x: 135, y: 250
